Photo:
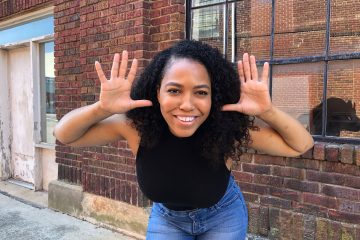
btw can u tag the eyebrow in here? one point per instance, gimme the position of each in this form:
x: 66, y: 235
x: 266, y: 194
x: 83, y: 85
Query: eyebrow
x: 179, y: 85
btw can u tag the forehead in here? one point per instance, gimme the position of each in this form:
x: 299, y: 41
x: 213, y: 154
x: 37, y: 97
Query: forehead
x: 186, y: 69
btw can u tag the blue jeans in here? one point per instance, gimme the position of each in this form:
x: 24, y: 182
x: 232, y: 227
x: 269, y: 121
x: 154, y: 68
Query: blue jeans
x: 226, y: 220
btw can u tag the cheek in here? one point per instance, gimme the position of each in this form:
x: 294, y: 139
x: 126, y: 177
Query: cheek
x: 206, y: 107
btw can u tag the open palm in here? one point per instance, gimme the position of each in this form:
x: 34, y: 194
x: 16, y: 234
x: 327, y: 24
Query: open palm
x: 254, y: 98
x: 115, y: 92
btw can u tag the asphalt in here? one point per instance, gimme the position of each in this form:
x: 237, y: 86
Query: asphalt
x: 23, y: 219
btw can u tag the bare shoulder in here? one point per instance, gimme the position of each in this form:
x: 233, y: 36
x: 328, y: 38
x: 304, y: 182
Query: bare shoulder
x: 125, y: 129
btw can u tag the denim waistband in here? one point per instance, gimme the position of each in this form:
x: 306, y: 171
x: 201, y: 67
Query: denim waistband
x: 232, y: 192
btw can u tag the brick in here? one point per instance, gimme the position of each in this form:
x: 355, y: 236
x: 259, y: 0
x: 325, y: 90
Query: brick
x: 357, y: 232
x: 255, y: 168
x: 251, y: 197
x: 297, y: 228
x: 268, y: 180
x: 314, y: 210
x: 344, y: 217
x: 308, y: 154
x: 319, y: 151
x: 357, y: 155
x: 134, y: 195
x: 253, y: 188
x: 288, y: 172
x: 243, y: 176
x: 264, y: 221
x: 269, y: 160
x: 331, y: 178
x: 341, y: 192
x: 246, y: 157
x: 275, y: 202
x: 315, y: 199
x: 333, y: 230
x: 274, y: 223
x: 347, y: 154
x: 347, y: 231
x: 309, y: 227
x: 303, y: 186
x: 285, y: 221
x: 285, y: 193
x: 349, y: 206
x: 253, y: 211
x: 321, y: 228
x: 333, y: 167
x: 352, y: 181
x: 332, y: 153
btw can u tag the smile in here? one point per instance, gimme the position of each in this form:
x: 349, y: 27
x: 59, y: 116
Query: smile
x: 186, y: 119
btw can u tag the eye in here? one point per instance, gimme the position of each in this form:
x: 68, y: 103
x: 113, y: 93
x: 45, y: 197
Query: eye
x: 173, y: 91
x: 202, y: 93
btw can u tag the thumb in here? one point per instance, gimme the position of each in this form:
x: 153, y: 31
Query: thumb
x: 140, y: 103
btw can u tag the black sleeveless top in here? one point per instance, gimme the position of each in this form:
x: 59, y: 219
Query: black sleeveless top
x: 174, y: 173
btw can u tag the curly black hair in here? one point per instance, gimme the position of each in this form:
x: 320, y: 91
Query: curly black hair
x: 222, y: 133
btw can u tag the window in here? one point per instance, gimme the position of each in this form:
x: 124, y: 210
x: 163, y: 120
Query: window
x: 35, y: 35
x: 47, y: 91
x: 313, y: 50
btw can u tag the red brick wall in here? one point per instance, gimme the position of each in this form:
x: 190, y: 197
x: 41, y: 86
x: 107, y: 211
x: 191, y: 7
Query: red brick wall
x: 13, y: 8
x: 315, y: 196
x: 87, y: 31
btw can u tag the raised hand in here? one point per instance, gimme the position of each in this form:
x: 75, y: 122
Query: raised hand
x: 254, y: 96
x: 115, y: 92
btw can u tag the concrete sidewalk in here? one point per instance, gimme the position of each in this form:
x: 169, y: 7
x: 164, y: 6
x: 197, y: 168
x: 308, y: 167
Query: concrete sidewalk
x: 24, y: 215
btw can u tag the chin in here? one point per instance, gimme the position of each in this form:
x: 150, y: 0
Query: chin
x: 183, y: 133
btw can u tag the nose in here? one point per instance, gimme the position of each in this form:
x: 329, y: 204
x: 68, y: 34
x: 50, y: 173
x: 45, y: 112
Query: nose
x: 187, y: 104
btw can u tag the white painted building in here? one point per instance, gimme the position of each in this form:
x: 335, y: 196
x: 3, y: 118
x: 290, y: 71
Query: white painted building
x: 27, y: 147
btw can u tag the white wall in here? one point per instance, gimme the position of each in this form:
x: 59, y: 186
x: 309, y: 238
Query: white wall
x: 5, y: 136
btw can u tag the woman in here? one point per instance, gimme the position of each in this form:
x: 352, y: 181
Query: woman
x: 184, y: 119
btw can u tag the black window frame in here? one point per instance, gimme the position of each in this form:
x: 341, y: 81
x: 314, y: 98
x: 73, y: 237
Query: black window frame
x: 325, y: 58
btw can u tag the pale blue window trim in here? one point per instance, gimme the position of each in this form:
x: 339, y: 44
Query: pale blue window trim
x: 27, y: 31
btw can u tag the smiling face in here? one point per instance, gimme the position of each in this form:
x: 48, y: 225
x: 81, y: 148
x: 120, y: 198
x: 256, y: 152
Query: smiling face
x: 185, y: 96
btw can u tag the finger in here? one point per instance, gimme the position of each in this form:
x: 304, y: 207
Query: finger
x: 253, y: 68
x: 246, y: 67
x: 123, y: 65
x: 133, y: 69
x: 140, y: 103
x: 241, y: 71
x: 230, y: 107
x: 115, y: 66
x: 265, y: 72
x: 100, y: 72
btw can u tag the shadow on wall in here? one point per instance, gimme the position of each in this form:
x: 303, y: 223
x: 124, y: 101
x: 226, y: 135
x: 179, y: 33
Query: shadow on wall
x: 341, y: 116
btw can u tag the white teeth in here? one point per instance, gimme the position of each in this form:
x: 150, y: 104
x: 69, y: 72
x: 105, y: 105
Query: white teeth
x: 186, y: 119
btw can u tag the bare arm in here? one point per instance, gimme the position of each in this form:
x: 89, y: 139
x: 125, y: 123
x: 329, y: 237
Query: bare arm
x: 283, y: 135
x: 104, y: 121
x: 91, y: 126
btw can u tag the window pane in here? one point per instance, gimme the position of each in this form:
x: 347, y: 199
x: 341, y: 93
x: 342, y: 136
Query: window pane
x: 28, y: 30
x: 207, y: 25
x: 344, y: 26
x: 297, y: 89
x: 48, y: 92
x: 300, y: 28
x: 343, y: 103
x: 253, y: 28
x: 197, y: 3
